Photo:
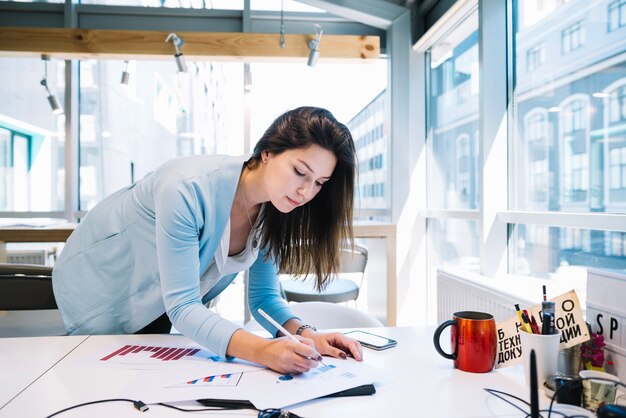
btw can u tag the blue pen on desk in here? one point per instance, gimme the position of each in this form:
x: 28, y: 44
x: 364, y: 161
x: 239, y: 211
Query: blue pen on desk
x: 285, y: 332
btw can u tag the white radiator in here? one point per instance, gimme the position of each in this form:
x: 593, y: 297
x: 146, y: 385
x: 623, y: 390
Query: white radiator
x: 27, y: 257
x: 456, y: 293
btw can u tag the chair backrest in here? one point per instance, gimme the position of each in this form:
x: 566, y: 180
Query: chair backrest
x: 26, y: 287
x: 28, y: 302
x: 353, y: 261
x: 326, y: 315
x: 333, y: 315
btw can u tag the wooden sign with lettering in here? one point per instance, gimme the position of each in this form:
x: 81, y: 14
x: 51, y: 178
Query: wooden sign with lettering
x: 569, y: 320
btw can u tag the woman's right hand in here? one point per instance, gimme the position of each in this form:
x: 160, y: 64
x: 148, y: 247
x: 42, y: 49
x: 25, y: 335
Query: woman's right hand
x: 285, y: 355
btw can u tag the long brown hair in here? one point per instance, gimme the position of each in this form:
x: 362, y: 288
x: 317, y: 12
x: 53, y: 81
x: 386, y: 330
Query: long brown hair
x: 307, y: 239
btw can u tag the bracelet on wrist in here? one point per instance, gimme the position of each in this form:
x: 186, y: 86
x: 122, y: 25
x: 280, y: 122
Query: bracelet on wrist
x: 303, y: 327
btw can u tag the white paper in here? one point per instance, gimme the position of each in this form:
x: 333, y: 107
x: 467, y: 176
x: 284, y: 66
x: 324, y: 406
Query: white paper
x: 263, y: 387
x: 157, y: 369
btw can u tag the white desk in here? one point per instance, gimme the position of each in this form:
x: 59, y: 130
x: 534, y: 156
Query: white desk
x: 422, y: 384
x: 24, y: 360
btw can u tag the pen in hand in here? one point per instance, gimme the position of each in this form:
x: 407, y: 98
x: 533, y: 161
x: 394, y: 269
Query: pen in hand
x: 285, y: 332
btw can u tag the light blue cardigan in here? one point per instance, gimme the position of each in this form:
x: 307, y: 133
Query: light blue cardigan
x: 141, y: 251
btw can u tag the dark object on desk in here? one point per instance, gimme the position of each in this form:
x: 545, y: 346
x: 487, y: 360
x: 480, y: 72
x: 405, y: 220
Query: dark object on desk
x: 570, y: 390
x: 547, y: 318
x: 534, y: 389
x: 25, y: 287
x: 227, y: 403
x: 362, y: 390
x: 611, y: 411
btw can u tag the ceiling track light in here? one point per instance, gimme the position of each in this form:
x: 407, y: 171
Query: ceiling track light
x: 125, y: 75
x: 314, y: 45
x: 178, y: 43
x: 52, y: 99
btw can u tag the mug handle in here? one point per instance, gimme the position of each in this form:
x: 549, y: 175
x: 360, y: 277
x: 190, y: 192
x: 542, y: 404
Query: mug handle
x: 437, y: 336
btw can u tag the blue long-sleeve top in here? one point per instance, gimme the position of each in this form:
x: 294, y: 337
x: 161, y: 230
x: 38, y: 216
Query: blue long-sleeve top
x: 142, y: 251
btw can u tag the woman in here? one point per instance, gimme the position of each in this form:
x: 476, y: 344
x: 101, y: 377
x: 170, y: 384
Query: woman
x: 165, y: 246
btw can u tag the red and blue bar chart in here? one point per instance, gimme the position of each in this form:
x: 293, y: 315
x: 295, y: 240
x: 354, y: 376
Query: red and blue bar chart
x: 156, y: 353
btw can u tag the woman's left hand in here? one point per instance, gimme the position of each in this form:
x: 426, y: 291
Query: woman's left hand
x: 337, y: 345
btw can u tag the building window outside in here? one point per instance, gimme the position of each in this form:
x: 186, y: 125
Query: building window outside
x: 617, y: 244
x: 535, y: 57
x: 617, y: 15
x: 574, y: 116
x: 537, y: 151
x: 617, y: 168
x: 575, y: 148
x: 573, y: 37
x: 617, y: 105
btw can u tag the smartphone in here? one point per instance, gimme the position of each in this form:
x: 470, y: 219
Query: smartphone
x: 373, y: 341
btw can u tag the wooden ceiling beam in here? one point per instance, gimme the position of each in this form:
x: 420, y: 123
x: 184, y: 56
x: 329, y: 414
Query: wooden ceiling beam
x: 206, y: 46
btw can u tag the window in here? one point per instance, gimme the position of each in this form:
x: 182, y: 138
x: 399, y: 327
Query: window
x: 30, y: 136
x: 575, y: 146
x: 617, y: 15
x: 617, y: 104
x: 570, y: 125
x: 617, y: 168
x: 543, y: 251
x: 453, y: 119
x: 189, y: 4
x: 572, y: 37
x: 126, y: 131
x: 453, y: 242
x: 535, y: 57
x: 537, y: 135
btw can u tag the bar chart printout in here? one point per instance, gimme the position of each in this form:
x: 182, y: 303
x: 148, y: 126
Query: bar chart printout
x: 228, y: 379
x: 146, y: 354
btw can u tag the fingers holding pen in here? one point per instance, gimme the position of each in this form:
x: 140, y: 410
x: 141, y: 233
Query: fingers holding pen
x: 285, y: 355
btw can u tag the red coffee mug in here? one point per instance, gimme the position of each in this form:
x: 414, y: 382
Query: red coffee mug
x: 473, y: 337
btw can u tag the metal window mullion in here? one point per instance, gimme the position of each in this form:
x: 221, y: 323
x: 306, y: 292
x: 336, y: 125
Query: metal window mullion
x: 492, y: 38
x: 71, y: 110
x: 597, y: 221
x: 471, y: 215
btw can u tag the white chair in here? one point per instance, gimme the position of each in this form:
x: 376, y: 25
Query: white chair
x: 339, y: 289
x: 326, y: 315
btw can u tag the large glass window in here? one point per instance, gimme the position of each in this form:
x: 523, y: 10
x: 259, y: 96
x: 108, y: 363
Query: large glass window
x: 453, y: 243
x: 452, y: 166
x: 128, y: 130
x: 191, y: 4
x: 570, y: 130
x: 354, y: 93
x: 567, y: 148
x: 544, y: 251
x: 32, y: 137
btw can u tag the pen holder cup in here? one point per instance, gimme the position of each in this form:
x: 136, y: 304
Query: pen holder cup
x: 546, y: 353
x: 598, y: 392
